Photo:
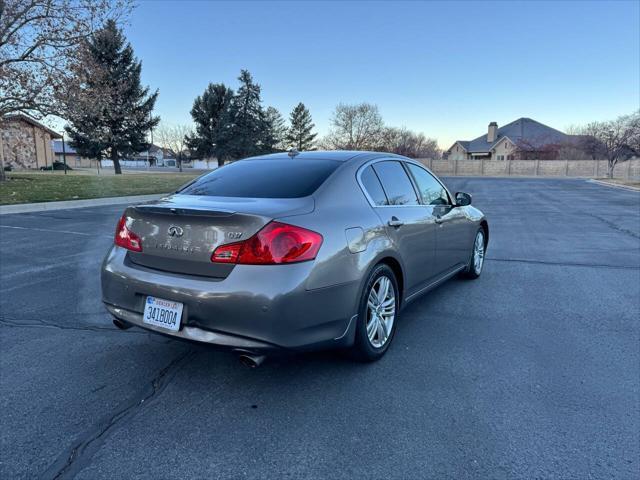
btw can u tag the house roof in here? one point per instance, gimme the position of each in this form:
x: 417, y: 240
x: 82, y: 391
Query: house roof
x: 521, y: 130
x: 463, y: 143
x: 31, y: 121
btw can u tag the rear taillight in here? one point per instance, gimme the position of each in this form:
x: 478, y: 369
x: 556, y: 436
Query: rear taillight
x: 125, y: 238
x: 276, y: 243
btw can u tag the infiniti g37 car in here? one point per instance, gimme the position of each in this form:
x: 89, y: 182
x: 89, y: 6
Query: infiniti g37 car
x: 292, y: 252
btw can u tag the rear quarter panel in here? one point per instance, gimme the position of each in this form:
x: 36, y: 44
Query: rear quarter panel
x: 341, y: 206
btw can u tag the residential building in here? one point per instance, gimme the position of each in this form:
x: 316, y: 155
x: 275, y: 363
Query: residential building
x: 73, y: 158
x: 156, y: 157
x: 523, y: 138
x: 25, y: 142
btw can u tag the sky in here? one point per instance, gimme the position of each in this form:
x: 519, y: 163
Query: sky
x: 446, y: 69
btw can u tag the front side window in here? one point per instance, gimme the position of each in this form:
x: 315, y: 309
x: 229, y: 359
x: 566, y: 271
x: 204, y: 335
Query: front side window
x: 272, y: 178
x: 396, y: 183
x: 372, y: 185
x: 431, y: 190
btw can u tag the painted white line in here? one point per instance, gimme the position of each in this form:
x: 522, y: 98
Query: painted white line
x: 54, y: 231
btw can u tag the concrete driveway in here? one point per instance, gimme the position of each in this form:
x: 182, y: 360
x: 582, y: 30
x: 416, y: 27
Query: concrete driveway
x: 533, y: 371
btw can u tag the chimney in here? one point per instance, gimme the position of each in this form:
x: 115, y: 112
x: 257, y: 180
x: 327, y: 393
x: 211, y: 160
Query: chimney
x: 493, y: 132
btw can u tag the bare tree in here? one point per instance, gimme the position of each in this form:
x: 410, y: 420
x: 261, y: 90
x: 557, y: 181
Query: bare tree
x: 537, y: 148
x: 37, y: 39
x: 408, y: 143
x: 617, y: 140
x: 174, y: 138
x: 355, y: 127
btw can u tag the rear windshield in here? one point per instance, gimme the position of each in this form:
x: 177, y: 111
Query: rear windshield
x: 286, y: 178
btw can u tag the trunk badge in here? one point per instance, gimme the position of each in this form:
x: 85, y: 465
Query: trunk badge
x: 175, y: 231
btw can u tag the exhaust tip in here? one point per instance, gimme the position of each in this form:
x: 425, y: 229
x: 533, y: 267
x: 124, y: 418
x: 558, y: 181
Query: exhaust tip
x: 251, y: 361
x: 121, y: 325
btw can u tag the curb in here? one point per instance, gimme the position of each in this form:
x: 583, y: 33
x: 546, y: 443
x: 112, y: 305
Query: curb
x: 66, y: 204
x: 614, y: 185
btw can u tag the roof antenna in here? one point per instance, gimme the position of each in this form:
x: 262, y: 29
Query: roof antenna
x: 293, y: 152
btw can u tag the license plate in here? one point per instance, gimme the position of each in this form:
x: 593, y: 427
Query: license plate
x: 162, y: 313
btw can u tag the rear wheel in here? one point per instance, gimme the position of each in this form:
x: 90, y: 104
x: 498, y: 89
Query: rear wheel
x: 377, y: 314
x: 476, y: 262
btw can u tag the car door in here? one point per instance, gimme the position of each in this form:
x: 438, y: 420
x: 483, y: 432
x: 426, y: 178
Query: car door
x: 452, y: 248
x: 409, y: 225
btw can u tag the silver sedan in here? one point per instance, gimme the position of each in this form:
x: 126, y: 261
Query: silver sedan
x: 292, y: 251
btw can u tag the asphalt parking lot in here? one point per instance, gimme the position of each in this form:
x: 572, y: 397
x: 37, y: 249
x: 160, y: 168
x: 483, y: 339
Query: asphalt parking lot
x: 532, y: 371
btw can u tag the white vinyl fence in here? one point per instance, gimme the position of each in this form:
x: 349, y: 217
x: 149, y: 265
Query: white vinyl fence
x: 533, y: 168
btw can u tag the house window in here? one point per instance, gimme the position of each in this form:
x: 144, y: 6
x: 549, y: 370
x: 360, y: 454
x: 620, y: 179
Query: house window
x: 500, y: 157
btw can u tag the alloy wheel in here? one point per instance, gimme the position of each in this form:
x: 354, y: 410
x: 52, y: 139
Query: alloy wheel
x: 381, y: 311
x: 478, y: 253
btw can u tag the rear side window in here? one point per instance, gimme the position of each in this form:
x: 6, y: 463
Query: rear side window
x: 396, y: 183
x: 431, y: 190
x: 283, y: 178
x: 372, y: 185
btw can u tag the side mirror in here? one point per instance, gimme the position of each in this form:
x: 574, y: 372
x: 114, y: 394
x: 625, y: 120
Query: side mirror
x: 463, y: 199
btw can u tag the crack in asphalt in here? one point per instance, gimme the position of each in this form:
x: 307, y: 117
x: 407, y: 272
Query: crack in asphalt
x: 614, y: 226
x: 563, y: 264
x: 44, y: 324
x: 78, y: 456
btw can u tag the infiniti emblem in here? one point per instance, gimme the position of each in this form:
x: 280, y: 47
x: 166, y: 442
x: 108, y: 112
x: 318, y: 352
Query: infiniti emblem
x: 175, y: 231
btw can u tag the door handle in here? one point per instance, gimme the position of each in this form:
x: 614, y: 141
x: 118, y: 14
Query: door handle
x: 394, y: 222
x: 438, y: 220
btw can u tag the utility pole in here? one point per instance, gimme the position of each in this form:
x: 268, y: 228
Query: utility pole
x: 64, y: 155
x: 2, y: 174
x: 149, y: 147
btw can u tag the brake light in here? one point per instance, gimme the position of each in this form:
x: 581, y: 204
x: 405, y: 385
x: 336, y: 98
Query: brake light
x: 125, y: 238
x: 276, y: 243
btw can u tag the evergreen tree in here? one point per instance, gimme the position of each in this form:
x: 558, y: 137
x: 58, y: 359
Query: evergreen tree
x: 299, y: 135
x: 243, y: 126
x: 276, y: 131
x: 108, y: 110
x: 207, y: 113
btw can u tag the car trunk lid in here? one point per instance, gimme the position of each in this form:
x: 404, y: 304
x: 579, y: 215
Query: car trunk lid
x: 180, y: 232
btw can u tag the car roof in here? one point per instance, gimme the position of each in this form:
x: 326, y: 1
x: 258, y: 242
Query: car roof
x: 336, y: 155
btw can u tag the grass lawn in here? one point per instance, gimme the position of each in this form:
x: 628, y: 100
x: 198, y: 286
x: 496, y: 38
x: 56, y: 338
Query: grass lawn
x: 51, y: 186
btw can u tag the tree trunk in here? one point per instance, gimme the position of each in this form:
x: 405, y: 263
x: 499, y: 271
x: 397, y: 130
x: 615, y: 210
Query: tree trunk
x: 611, y: 164
x: 116, y: 162
x: 220, y: 162
x: 3, y: 176
x: 180, y: 164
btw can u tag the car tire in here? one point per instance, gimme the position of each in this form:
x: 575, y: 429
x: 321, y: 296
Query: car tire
x: 476, y: 259
x: 376, y: 324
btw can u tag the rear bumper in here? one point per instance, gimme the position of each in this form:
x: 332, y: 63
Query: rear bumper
x: 256, y: 308
x: 194, y: 334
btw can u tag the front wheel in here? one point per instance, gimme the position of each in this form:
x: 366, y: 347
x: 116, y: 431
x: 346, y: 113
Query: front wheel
x: 476, y: 262
x: 377, y: 314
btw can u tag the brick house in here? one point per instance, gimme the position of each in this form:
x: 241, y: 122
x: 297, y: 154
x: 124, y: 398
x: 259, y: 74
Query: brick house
x: 521, y: 139
x: 25, y: 142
